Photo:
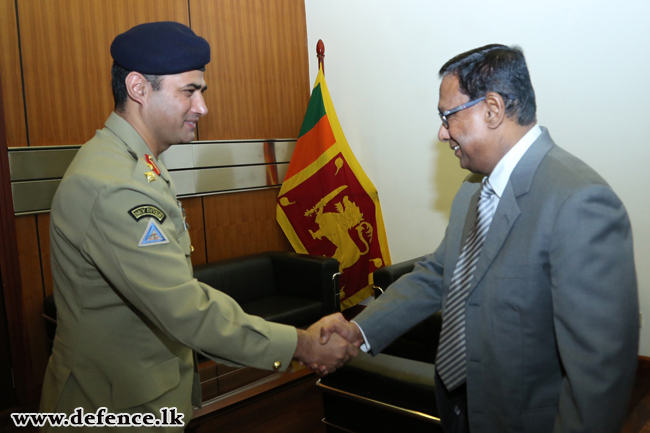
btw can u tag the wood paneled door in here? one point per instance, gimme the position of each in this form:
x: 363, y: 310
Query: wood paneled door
x: 259, y: 75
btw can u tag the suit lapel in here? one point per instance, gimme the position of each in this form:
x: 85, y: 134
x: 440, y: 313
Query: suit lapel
x: 508, y: 210
x: 504, y: 218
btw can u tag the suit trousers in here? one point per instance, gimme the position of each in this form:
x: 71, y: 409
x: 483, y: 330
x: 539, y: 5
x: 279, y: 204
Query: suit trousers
x: 452, y: 407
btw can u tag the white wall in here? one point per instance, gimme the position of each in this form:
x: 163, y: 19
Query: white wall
x: 590, y: 66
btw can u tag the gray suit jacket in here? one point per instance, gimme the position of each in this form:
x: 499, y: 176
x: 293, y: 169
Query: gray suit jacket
x: 552, y: 315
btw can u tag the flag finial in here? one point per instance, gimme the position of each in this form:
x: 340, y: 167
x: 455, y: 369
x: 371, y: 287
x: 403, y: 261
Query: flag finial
x: 320, y: 53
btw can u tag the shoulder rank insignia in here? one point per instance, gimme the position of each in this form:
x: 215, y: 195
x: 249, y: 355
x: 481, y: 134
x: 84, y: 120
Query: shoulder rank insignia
x: 147, y: 210
x: 153, y: 235
x: 152, y: 165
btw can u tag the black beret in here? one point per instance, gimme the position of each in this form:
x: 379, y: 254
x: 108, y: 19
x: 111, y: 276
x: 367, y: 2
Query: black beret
x: 161, y: 48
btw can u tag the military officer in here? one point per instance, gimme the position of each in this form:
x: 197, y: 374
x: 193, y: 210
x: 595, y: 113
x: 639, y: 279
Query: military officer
x: 129, y: 310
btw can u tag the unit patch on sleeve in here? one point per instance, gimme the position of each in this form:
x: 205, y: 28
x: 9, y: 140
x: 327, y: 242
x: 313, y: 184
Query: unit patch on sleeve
x: 147, y: 210
x: 153, y: 235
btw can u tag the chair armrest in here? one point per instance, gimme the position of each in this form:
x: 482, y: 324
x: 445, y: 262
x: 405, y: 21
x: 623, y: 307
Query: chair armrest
x: 384, y: 277
x: 386, y: 382
x: 307, y: 276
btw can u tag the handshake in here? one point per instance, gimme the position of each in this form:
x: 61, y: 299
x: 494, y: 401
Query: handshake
x: 328, y: 344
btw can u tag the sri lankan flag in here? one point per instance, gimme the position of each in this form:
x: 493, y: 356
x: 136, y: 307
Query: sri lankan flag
x: 327, y: 205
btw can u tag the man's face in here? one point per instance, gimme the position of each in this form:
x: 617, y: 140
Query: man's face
x: 173, y: 111
x: 468, y: 133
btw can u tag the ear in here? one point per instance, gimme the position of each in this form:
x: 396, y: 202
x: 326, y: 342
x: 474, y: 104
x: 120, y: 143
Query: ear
x: 136, y: 87
x: 496, y: 112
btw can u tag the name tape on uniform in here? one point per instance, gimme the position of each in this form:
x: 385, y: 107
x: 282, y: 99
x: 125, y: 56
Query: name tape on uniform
x: 147, y: 210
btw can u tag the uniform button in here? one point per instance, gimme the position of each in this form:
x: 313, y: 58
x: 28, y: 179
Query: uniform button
x: 277, y: 365
x: 191, y: 248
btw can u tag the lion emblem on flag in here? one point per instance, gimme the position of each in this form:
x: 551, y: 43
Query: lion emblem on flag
x: 335, y: 227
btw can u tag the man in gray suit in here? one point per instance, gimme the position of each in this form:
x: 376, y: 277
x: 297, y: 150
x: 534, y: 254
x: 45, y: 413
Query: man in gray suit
x: 544, y: 335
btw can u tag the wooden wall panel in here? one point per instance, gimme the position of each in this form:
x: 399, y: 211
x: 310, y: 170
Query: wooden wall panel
x: 258, y: 78
x: 12, y: 84
x: 66, y: 61
x: 32, y: 283
x: 194, y: 217
x: 242, y: 223
x: 12, y: 308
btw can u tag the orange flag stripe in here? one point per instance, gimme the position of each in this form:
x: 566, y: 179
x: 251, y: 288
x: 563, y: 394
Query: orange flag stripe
x: 311, y: 146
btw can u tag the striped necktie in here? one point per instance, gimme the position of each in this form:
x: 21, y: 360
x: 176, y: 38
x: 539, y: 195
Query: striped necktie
x: 450, y: 361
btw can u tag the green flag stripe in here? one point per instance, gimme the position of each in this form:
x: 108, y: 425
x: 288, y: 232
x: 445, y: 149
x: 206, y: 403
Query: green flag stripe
x: 315, y: 111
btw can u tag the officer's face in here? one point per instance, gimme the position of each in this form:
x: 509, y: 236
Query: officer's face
x: 172, y: 112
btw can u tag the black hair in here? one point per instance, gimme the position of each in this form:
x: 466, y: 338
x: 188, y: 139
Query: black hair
x: 496, y: 68
x: 118, y: 79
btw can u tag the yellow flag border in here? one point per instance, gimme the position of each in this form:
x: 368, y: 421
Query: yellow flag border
x: 357, y: 297
x: 289, y: 231
x: 310, y: 170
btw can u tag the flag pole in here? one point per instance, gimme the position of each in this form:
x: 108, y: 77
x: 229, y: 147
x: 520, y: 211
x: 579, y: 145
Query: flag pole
x: 320, y: 53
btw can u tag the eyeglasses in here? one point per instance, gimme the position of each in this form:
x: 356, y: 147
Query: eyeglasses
x: 445, y: 114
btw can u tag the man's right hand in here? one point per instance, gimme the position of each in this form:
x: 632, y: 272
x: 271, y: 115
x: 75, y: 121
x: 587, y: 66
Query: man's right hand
x: 348, y: 330
x: 326, y: 357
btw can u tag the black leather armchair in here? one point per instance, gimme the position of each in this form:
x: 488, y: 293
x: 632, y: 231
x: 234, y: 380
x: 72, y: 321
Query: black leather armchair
x: 393, y: 391
x: 283, y: 287
x: 289, y: 288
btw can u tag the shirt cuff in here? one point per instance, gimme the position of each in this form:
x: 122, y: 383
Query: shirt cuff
x: 365, y: 347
